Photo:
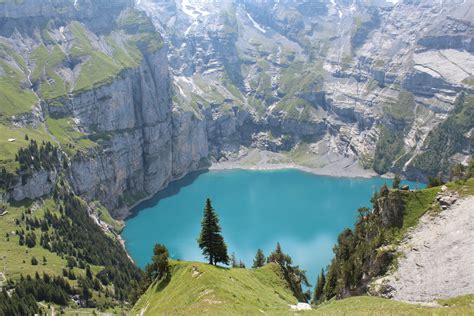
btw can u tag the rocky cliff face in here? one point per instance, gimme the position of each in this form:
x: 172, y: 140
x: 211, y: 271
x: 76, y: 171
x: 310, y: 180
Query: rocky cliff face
x: 60, y: 8
x: 330, y: 74
x: 351, y: 82
x: 137, y: 141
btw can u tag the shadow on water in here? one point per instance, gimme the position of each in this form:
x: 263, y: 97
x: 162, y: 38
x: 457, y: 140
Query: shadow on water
x: 173, y: 188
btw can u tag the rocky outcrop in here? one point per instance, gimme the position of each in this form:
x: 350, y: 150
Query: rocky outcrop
x: 141, y: 142
x: 432, y: 262
x: 446, y: 198
x: 256, y: 74
x: 39, y: 184
x: 190, y: 147
x: 391, y: 208
x: 148, y: 144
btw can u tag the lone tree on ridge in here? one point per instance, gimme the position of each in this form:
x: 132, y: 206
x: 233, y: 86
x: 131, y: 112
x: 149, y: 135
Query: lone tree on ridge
x: 210, y: 239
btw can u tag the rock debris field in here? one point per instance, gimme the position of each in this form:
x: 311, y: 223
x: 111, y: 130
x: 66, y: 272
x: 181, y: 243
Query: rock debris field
x: 437, y: 256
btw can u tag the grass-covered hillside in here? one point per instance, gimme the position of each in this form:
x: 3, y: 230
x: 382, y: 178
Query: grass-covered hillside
x: 201, y: 289
x: 198, y: 288
x: 367, y: 305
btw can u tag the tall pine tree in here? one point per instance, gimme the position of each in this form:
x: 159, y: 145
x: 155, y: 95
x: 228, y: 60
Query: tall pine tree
x: 293, y: 274
x: 159, y: 266
x: 210, y: 239
x: 318, y: 291
x: 259, y: 260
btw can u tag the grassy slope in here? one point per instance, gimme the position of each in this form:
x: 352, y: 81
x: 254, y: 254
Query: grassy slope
x: 200, y: 288
x: 16, y: 259
x: 419, y: 202
x: 366, y: 305
x: 15, y: 98
x: 71, y: 140
x: 8, y: 149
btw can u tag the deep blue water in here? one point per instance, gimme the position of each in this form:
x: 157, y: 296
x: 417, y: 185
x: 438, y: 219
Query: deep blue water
x: 257, y: 209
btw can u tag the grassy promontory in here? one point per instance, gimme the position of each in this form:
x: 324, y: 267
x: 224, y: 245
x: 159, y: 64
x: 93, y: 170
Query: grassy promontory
x: 200, y: 289
x: 197, y: 288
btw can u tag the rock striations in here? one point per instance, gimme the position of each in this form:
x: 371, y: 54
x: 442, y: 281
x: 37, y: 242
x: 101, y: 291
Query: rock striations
x: 320, y: 82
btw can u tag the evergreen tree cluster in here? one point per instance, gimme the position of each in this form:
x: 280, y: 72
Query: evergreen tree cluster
x: 159, y: 266
x: 157, y: 270
x: 259, y: 260
x: 76, y: 236
x: 357, y: 256
x: 294, y: 276
x: 235, y: 263
x: 72, y: 234
x: 34, y: 157
x: 17, y: 305
x: 7, y: 179
x: 27, y: 291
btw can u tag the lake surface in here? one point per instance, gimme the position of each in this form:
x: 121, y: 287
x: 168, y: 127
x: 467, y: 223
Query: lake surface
x: 257, y: 209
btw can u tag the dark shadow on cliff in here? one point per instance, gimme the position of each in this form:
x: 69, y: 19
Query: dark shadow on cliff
x: 173, y: 188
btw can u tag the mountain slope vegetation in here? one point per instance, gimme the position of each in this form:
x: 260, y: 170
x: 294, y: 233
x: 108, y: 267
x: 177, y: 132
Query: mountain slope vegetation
x: 201, y: 289
x: 197, y: 287
x: 103, y: 103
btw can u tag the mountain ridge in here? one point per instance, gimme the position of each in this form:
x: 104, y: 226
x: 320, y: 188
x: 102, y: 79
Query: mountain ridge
x: 203, y: 114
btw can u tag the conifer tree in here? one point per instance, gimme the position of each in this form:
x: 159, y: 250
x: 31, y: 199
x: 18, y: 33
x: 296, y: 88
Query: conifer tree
x: 278, y: 256
x: 293, y: 274
x: 259, y: 260
x: 318, y: 291
x: 210, y: 239
x: 160, y: 265
x: 233, y: 261
x: 396, y: 182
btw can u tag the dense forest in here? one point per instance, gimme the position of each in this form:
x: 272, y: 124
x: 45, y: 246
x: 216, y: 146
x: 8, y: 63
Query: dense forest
x: 68, y: 231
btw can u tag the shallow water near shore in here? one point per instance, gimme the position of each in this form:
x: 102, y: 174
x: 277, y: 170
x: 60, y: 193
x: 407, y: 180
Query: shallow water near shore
x: 257, y: 209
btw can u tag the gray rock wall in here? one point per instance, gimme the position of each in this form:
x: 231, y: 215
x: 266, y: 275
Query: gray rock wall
x: 143, y: 144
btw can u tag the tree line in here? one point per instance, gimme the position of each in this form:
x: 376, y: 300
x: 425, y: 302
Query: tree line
x: 30, y: 159
x: 19, y: 298
x: 71, y: 233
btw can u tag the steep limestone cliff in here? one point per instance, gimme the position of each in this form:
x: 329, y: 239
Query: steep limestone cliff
x: 328, y: 74
x: 316, y: 82
x: 123, y: 139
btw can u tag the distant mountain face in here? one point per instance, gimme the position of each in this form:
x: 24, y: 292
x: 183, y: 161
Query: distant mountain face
x: 139, y: 93
x: 358, y: 80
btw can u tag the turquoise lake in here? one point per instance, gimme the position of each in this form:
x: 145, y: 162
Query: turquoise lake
x: 257, y: 209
